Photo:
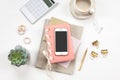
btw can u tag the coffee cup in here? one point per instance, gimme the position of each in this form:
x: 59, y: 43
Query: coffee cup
x: 82, y: 9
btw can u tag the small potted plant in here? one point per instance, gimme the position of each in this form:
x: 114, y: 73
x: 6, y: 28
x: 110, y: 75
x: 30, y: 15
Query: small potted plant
x: 18, y: 56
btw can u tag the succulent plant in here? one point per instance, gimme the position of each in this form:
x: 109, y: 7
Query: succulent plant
x: 18, y: 56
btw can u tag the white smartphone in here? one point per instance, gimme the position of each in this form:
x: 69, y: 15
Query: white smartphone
x: 61, y: 45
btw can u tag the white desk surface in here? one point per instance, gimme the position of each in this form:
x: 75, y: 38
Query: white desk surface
x: 108, y: 16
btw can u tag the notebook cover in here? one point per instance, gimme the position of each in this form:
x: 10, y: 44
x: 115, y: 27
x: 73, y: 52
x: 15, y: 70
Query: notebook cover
x: 51, y: 32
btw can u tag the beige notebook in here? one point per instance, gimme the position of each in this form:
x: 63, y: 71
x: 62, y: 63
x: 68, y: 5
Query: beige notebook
x: 41, y: 62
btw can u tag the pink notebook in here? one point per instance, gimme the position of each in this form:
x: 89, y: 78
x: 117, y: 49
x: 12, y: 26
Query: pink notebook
x: 50, y: 37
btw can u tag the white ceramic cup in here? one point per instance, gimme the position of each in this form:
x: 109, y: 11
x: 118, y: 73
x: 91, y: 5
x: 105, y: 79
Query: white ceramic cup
x: 82, y: 9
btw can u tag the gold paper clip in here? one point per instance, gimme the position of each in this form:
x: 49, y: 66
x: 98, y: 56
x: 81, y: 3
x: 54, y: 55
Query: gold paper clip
x: 104, y: 52
x: 21, y: 30
x: 94, y: 54
x: 96, y: 43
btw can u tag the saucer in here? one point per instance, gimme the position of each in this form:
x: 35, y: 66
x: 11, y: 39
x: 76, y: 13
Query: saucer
x: 79, y: 11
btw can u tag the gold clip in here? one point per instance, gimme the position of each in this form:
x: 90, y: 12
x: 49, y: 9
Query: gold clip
x: 27, y: 40
x: 21, y: 29
x: 94, y: 54
x: 95, y: 43
x: 104, y: 52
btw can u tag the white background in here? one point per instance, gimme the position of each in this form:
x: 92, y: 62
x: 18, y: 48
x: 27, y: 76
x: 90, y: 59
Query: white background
x: 107, y: 15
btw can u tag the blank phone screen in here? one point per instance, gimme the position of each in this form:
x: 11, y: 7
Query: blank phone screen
x: 61, y: 41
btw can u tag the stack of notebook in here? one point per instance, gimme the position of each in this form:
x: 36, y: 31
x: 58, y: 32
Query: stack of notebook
x: 63, y: 67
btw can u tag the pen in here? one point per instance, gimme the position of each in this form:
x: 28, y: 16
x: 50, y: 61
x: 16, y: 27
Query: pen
x: 82, y: 61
